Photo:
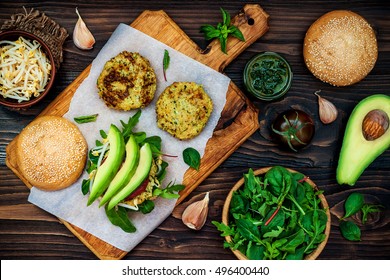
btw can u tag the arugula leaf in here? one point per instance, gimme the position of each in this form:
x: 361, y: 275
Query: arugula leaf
x: 169, y: 191
x: 222, y: 30
x: 132, y: 122
x: 369, y: 208
x: 119, y: 217
x: 192, y: 158
x: 226, y: 230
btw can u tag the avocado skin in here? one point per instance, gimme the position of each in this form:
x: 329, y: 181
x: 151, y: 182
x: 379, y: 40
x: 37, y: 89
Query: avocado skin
x: 357, y: 153
x: 108, y: 169
x: 141, y: 173
x: 125, y: 172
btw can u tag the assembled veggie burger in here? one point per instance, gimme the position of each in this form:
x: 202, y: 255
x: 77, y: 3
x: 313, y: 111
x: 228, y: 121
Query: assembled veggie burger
x: 126, y: 170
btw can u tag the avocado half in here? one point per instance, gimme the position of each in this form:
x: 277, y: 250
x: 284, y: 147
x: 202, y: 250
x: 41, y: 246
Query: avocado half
x: 357, y: 153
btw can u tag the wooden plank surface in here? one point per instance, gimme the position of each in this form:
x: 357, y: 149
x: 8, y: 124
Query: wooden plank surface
x: 27, y: 232
x: 238, y: 111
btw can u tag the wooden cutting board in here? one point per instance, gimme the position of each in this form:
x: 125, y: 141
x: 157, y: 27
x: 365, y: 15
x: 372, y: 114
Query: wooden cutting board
x: 238, y: 121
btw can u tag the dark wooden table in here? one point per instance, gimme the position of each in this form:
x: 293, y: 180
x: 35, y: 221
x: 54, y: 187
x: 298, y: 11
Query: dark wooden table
x: 27, y: 232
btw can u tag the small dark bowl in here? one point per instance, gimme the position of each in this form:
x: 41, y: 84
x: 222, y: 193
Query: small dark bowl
x: 13, y: 36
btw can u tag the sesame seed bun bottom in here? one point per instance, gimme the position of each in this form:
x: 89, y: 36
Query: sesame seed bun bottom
x: 51, y: 153
x: 340, y: 48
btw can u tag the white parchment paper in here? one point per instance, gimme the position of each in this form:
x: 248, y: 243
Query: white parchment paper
x: 70, y: 204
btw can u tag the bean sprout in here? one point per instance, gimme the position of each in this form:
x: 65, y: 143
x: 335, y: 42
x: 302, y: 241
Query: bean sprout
x: 24, y: 69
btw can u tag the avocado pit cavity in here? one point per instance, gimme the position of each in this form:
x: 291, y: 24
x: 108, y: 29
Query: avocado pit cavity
x: 375, y: 124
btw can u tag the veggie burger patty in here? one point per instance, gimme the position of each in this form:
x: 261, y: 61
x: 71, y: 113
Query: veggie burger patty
x: 183, y: 109
x: 127, y: 82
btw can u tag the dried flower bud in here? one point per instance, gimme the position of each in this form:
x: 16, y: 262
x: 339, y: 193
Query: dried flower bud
x: 327, y: 111
x: 82, y: 37
x: 195, y: 215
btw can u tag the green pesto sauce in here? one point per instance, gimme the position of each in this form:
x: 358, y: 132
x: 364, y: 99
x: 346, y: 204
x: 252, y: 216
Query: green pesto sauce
x: 268, y: 75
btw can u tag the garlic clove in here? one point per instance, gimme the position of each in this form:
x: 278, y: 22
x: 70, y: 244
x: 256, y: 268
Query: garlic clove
x: 327, y: 110
x: 195, y: 215
x: 82, y: 37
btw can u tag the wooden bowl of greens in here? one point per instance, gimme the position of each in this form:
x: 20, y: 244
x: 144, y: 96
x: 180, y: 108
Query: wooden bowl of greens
x: 275, y: 213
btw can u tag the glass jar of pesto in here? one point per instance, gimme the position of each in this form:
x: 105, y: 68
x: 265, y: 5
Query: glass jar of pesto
x: 267, y: 76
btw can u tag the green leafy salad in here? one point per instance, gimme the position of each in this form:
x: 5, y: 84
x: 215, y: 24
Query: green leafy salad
x: 275, y: 216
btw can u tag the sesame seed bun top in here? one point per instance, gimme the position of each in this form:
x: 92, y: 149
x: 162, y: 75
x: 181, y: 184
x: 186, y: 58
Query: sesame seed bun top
x: 51, y: 153
x: 340, y: 48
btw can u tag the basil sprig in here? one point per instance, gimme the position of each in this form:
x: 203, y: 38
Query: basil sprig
x: 222, y: 31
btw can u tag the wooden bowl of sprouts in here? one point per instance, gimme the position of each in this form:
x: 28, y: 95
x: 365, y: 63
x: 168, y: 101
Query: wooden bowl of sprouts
x: 27, y: 69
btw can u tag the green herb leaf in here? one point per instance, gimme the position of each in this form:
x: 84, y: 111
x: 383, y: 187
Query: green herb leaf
x: 85, y: 186
x: 166, y: 61
x: 119, y: 217
x: 86, y: 119
x: 170, y: 191
x: 192, y: 158
x: 127, y: 129
x: 146, y: 207
x: 353, y: 204
x: 350, y: 230
x: 368, y: 209
x: 222, y: 30
x: 248, y: 230
x: 226, y: 230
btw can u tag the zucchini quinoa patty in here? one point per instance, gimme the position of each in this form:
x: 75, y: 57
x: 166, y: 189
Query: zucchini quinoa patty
x: 183, y: 109
x: 127, y: 82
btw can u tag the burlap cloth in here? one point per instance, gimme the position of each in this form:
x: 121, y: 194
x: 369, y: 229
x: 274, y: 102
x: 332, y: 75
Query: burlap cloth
x: 42, y: 26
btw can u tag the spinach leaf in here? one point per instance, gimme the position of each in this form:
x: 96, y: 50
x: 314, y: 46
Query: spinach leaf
x: 350, y: 230
x: 146, y: 207
x: 293, y: 241
x: 248, y: 230
x: 192, y: 158
x: 353, y: 204
x: 85, y: 186
x: 255, y: 251
x: 297, y: 255
x: 119, y: 217
x: 239, y: 204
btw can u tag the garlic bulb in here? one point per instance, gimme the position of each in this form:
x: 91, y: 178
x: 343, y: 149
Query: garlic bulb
x: 82, y: 37
x: 195, y: 215
x: 327, y: 111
